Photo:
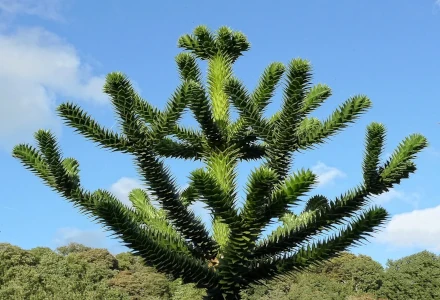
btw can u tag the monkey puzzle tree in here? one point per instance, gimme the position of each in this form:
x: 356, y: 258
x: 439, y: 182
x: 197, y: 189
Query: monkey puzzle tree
x: 234, y: 254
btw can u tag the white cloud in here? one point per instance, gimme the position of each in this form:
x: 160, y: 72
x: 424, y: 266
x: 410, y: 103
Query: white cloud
x: 36, y: 68
x: 9, y: 208
x: 123, y: 187
x: 91, y: 238
x: 46, y: 9
x: 393, y: 194
x: 419, y: 228
x: 326, y: 175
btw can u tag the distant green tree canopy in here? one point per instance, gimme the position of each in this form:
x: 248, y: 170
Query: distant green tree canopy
x: 75, y: 272
x: 415, y: 277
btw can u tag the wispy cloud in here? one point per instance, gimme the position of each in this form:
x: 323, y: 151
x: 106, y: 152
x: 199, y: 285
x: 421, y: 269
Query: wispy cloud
x: 418, y: 228
x: 91, y: 238
x: 37, y: 67
x: 9, y: 208
x: 98, y: 238
x: 326, y: 174
x: 122, y: 188
x: 392, y: 195
x: 46, y: 9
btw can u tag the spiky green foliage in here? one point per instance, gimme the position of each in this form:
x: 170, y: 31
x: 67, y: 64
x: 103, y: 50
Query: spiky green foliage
x: 235, y: 254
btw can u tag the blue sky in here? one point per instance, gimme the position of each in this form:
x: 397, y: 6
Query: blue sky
x: 53, y: 51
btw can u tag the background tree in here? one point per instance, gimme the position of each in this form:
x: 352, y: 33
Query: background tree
x: 317, y: 286
x: 128, y: 261
x: 46, y: 274
x: 13, y: 256
x: 72, y: 248
x: 189, y: 291
x: 349, y: 275
x: 142, y: 284
x: 235, y: 255
x: 98, y: 257
x: 41, y: 273
x: 360, y: 272
x: 364, y: 297
x: 415, y: 277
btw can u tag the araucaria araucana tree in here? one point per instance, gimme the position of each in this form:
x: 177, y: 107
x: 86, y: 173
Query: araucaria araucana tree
x: 234, y: 253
